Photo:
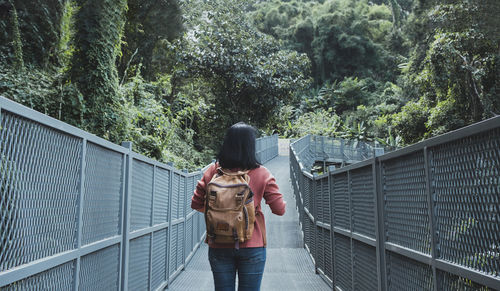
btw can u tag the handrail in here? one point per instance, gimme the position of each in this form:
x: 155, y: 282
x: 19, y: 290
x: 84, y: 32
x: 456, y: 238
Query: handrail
x: 422, y: 217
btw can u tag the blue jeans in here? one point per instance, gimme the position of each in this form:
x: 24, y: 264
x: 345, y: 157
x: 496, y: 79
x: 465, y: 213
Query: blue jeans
x: 248, y: 262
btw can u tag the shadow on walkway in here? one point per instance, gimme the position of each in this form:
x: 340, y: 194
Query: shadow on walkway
x: 288, y: 265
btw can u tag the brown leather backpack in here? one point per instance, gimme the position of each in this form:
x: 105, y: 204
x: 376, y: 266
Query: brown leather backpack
x: 229, y: 209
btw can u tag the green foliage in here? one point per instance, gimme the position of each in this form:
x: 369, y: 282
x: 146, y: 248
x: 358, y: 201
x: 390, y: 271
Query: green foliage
x: 320, y: 122
x: 16, y: 39
x: 410, y: 122
x: 454, y: 67
x: 252, y: 62
x: 153, y: 128
x: 65, y: 46
x: 38, y: 30
x: 341, y: 37
x: 31, y: 87
x: 247, y: 73
x: 43, y: 91
x: 97, y: 43
x: 281, y: 122
x: 149, y: 24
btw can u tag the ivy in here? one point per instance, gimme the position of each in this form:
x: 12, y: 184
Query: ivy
x: 99, y: 27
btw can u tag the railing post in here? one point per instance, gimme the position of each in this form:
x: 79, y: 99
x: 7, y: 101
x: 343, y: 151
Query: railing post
x: 169, y: 230
x: 332, y: 220
x: 126, y: 216
x: 342, y: 150
x: 351, y: 217
x: 379, y: 226
x: 432, y: 219
x: 184, y: 223
x: 151, y: 223
x: 78, y: 244
x: 314, y: 212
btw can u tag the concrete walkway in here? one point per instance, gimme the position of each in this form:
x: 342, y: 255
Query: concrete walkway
x: 288, y: 265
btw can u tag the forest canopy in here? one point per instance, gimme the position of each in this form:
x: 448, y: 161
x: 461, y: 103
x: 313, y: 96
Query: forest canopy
x: 171, y: 75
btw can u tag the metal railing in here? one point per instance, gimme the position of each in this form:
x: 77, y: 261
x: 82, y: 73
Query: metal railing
x: 80, y: 213
x: 312, y: 148
x: 425, y: 217
x: 266, y: 148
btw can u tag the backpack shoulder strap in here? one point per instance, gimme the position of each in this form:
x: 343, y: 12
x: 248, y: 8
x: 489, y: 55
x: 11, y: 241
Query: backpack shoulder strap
x: 229, y: 173
x: 243, y: 174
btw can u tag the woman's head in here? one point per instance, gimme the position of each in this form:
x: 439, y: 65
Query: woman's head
x: 238, y: 149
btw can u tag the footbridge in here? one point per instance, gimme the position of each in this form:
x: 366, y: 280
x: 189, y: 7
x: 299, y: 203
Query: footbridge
x: 80, y: 213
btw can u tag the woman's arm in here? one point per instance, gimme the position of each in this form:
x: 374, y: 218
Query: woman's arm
x: 198, y: 199
x: 273, y: 197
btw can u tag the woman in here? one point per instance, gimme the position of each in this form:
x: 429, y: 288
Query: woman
x: 247, y: 258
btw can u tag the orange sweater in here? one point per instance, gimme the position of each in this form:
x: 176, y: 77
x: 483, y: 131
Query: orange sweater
x: 263, y: 185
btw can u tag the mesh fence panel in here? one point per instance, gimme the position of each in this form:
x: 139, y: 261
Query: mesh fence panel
x: 39, y: 182
x: 341, y: 210
x: 195, y: 230
x: 311, y: 197
x: 162, y: 185
x: 406, y: 274
x: 324, y: 201
x: 173, y: 250
x: 306, y: 192
x: 175, y: 196
x: 138, y: 275
x: 363, y: 201
x: 343, y: 262
x: 308, y: 232
x: 365, y: 267
x: 58, y: 278
x: 142, y: 195
x: 333, y: 147
x: 202, y: 225
x: 466, y: 175
x: 320, y: 248
x: 99, y: 270
x: 180, y: 244
x: 102, y: 194
x: 450, y: 282
x: 189, y: 236
x: 301, y: 189
x: 190, y: 184
x: 406, y: 206
x: 318, y: 199
x: 159, y: 258
x: 327, y: 241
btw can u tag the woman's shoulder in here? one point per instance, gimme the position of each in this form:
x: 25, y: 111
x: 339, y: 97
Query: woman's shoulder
x: 211, y: 169
x: 261, y: 172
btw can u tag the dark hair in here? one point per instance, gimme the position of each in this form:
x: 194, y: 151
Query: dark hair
x: 238, y: 149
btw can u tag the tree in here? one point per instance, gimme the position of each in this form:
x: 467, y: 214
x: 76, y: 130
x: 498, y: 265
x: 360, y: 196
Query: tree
x: 248, y: 73
x: 454, y: 67
x: 341, y: 37
x: 148, y: 25
x: 39, y: 25
x: 99, y: 25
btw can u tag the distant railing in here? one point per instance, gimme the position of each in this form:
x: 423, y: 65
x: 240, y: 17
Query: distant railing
x: 312, y: 148
x: 425, y: 217
x: 266, y: 148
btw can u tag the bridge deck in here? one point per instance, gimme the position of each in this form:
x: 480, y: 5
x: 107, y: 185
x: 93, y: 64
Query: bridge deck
x: 288, y: 265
